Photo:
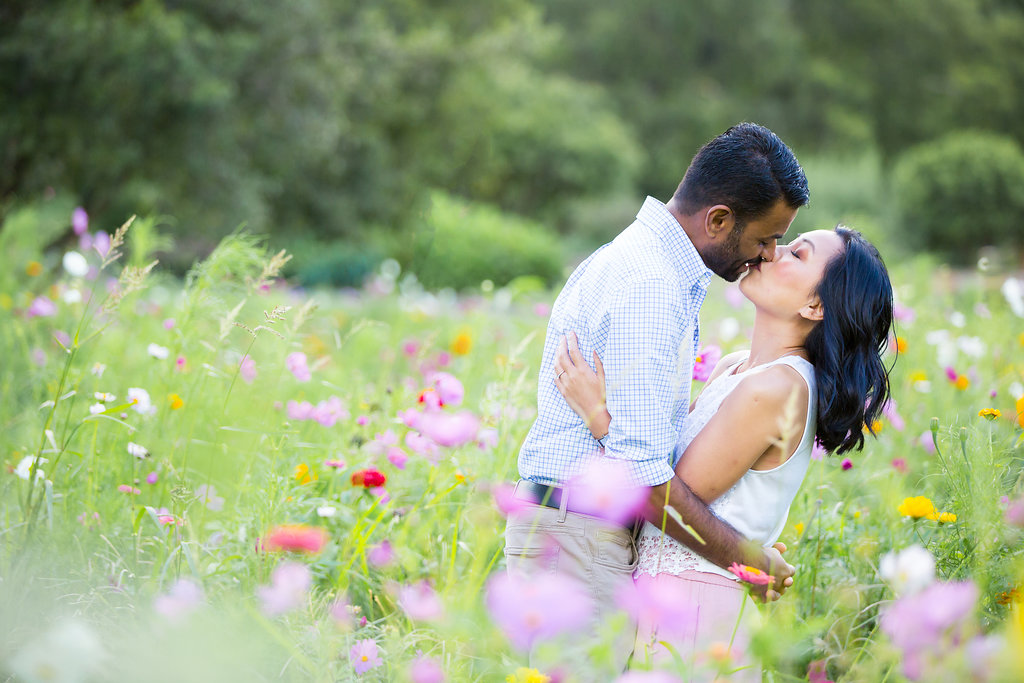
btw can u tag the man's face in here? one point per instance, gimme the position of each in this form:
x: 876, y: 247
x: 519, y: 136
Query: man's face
x: 750, y: 243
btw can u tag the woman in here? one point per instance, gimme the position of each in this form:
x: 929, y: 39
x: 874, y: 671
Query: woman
x: 813, y: 371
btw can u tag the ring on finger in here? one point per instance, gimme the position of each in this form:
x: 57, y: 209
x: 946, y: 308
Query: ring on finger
x: 559, y: 375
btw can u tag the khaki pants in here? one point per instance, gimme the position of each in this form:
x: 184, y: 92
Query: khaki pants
x: 600, y: 555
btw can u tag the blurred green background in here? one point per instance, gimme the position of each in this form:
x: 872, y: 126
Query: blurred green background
x: 474, y: 141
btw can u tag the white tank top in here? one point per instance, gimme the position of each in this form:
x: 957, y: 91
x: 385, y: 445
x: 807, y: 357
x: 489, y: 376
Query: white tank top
x: 757, y: 505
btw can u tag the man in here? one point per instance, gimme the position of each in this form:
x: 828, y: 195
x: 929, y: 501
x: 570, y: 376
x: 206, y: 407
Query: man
x: 635, y: 302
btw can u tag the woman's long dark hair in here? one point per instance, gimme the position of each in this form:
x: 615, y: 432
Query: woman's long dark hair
x: 846, y: 346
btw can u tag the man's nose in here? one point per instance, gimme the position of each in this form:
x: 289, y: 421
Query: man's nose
x: 768, y: 252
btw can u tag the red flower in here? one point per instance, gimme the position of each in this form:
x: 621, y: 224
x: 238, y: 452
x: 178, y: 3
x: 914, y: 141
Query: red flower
x: 296, y: 538
x: 369, y: 478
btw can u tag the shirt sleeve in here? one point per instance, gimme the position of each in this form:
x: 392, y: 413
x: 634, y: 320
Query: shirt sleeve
x: 648, y: 324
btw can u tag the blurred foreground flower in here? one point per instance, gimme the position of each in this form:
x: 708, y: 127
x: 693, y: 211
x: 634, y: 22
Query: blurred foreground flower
x: 919, y: 624
x: 381, y: 554
x: 24, y: 468
x: 908, y: 571
x: 297, y: 365
x: 604, y: 490
x: 420, y: 602
x: 648, y: 601
x: 525, y: 675
x: 288, y: 587
x: 247, y: 369
x: 207, y: 495
x: 183, y: 598
x: 537, y: 608
x: 297, y: 538
x: 648, y: 677
x: 365, y: 655
x: 41, y: 307
x: 462, y: 344
x: 425, y: 670
x: 450, y: 430
x: 70, y: 652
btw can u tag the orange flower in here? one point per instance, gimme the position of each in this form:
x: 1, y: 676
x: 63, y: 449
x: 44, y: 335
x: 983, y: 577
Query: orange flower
x: 962, y: 382
x: 989, y: 413
x: 303, y: 474
x: 1020, y: 411
x: 33, y: 268
x: 901, y: 344
x: 462, y: 343
x: 176, y: 401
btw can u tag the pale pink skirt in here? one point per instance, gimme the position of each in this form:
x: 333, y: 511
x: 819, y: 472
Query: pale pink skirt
x: 718, y: 643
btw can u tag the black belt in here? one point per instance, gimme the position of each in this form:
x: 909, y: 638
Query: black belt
x: 540, y: 494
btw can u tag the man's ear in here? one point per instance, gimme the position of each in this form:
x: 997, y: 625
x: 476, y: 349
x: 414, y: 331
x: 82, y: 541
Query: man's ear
x: 719, y: 221
x: 813, y: 310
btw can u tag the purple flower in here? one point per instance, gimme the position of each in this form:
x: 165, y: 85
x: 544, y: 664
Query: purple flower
x: 450, y: 430
x: 296, y: 364
x: 900, y: 465
x: 330, y: 411
x: 420, y: 444
x: 425, y: 670
x: 288, y: 587
x: 537, y: 608
x: 182, y: 599
x: 487, y: 439
x: 41, y: 307
x: 397, y: 457
x: 365, y: 655
x: 152, y: 477
x: 381, y: 554
x: 1015, y: 512
x: 79, y: 220
x: 101, y: 243
x: 381, y: 441
x: 667, y: 605
x: 604, y: 490
x: 847, y: 464
x: 420, y: 602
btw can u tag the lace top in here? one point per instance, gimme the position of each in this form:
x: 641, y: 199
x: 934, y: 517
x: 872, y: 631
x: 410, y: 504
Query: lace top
x: 757, y: 505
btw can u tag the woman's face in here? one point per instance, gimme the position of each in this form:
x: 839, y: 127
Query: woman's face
x: 786, y: 285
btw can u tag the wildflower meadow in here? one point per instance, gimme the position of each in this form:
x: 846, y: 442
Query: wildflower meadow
x: 229, y: 478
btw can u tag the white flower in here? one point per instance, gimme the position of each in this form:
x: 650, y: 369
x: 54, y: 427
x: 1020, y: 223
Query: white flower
x: 728, y: 328
x: 75, y: 264
x: 208, y: 494
x: 972, y: 346
x: 96, y: 408
x: 1013, y: 291
x: 140, y: 399
x: 957, y: 319
x: 69, y: 653
x: 327, y: 511
x: 1016, y: 390
x: 158, y: 351
x: 923, y: 386
x: 24, y: 468
x: 103, y: 396
x: 137, y: 450
x: 71, y: 296
x: 97, y: 369
x: 909, y: 570
x: 945, y: 347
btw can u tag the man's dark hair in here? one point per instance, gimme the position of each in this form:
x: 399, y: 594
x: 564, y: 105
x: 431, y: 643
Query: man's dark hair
x: 747, y: 168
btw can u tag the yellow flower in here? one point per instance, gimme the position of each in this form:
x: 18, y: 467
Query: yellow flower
x: 962, y: 382
x: 462, y: 343
x: 917, y: 507
x: 989, y: 413
x: 6, y: 302
x: 901, y: 345
x: 918, y: 376
x: 943, y: 518
x: 176, y: 401
x: 303, y: 474
x: 33, y: 268
x: 1017, y: 634
x: 524, y: 675
x: 1020, y: 339
x: 799, y: 528
x: 460, y: 478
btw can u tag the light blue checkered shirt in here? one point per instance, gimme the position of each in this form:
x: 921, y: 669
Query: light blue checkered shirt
x: 635, y: 300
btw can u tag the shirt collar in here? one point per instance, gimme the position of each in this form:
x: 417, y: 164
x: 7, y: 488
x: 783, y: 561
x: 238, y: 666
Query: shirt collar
x: 679, y: 248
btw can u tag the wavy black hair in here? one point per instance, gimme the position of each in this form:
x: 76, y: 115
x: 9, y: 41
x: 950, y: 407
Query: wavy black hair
x: 846, y: 347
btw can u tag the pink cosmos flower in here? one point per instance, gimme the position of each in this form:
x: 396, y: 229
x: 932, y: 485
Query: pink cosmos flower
x: 247, y: 369
x: 169, y: 324
x: 79, y: 220
x: 604, y: 490
x: 41, y: 307
x: 382, y: 441
x: 152, y: 477
x: 817, y: 672
x: 420, y: 602
x: 927, y: 441
x: 542, y: 310
x: 297, y: 538
x: 179, y: 363
x: 421, y: 445
x: 668, y: 605
x: 410, y: 347
x: 903, y: 313
x: 338, y: 464
x: 296, y: 364
x: 751, y: 575
x: 300, y: 411
x: 900, y: 465
x: 341, y: 612
x: 362, y: 420
x: 397, y: 457
x: 486, y: 439
x: 62, y: 337
x: 330, y: 411
x: 125, y: 488
x: 425, y: 670
x: 183, y: 598
x: 450, y: 430
x: 951, y: 374
x: 449, y: 388
x: 895, y: 419
x: 704, y: 364
x: 538, y: 608
x: 381, y: 554
x: 1015, y: 512
x: 164, y: 516
x: 430, y: 400
x: 734, y: 297
x: 288, y: 587
x: 818, y: 451
x: 364, y: 656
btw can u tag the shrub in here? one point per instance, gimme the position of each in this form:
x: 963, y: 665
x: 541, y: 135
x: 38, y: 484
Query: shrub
x: 460, y: 244
x: 336, y: 263
x: 961, y: 192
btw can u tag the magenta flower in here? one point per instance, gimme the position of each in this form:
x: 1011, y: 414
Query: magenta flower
x: 420, y: 602
x: 296, y: 364
x: 79, y: 220
x: 364, y: 656
x: 362, y: 420
x: 751, y: 575
x: 704, y: 364
x: 951, y: 373
x: 169, y: 324
x: 288, y: 587
x: 604, y: 490
x: 847, y: 464
x: 41, y: 307
x: 818, y: 451
x: 247, y: 369
x: 450, y: 430
x: 448, y: 387
x: 900, y: 465
x: 817, y: 672
x: 152, y: 477
x: 542, y: 310
x: 537, y: 608
x: 338, y: 464
x: 410, y: 347
x: 183, y: 598
x: 381, y: 554
x: 917, y: 623
x: 667, y: 605
x: 397, y: 457
x: 382, y: 441
x: 425, y: 670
